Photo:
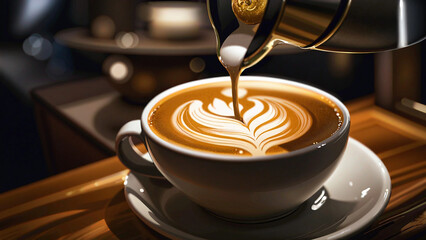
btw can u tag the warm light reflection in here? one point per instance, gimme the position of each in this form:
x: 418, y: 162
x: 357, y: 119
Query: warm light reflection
x: 125, y: 180
x: 414, y: 105
x: 118, y: 71
x: 341, y: 65
x: 103, y: 27
x: 197, y: 65
x: 119, y: 68
x: 127, y: 40
x: 144, y: 83
x: 175, y: 15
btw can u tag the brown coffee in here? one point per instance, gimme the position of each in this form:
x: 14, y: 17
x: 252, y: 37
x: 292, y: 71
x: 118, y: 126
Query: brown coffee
x: 277, y: 118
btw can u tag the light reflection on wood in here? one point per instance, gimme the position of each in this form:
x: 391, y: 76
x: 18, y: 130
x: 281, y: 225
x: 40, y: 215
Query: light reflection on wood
x: 100, y: 184
x: 93, y: 231
x: 406, y: 194
x: 17, y: 230
x: 97, y: 209
x: 400, y: 149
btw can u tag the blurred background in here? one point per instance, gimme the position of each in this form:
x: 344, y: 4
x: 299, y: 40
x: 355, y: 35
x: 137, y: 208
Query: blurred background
x: 72, y: 72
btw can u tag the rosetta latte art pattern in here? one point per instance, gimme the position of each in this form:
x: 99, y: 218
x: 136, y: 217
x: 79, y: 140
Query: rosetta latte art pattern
x: 270, y: 122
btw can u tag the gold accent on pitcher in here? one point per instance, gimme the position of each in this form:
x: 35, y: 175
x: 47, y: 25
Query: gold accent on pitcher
x: 249, y: 11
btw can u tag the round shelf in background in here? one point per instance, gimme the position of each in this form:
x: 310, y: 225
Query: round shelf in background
x: 168, y: 62
x: 205, y: 44
x: 80, y: 38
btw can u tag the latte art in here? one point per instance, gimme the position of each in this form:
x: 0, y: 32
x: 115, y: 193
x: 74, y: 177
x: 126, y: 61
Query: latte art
x: 276, y: 118
x: 270, y: 122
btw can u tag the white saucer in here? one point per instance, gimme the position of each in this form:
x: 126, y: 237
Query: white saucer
x: 353, y: 197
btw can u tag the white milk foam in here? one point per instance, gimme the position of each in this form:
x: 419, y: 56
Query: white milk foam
x: 235, y: 47
x: 266, y: 124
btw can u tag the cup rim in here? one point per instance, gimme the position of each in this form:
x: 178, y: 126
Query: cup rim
x: 146, y: 130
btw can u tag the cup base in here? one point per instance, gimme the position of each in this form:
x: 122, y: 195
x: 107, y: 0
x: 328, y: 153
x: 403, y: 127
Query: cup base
x: 254, y: 220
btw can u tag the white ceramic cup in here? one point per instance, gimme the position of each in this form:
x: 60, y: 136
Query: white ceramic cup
x: 247, y: 189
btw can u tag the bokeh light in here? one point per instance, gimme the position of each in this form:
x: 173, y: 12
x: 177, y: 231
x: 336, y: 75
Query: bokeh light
x: 38, y: 47
x: 127, y: 39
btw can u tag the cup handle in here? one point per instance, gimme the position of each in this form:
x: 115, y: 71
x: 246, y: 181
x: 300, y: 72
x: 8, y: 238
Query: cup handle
x: 129, y: 155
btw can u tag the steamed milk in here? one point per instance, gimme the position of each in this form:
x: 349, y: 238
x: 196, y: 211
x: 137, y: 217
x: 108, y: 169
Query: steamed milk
x: 277, y: 118
x: 232, y: 55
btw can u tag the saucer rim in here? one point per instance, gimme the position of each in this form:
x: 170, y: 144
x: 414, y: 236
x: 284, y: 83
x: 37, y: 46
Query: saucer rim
x: 357, y: 226
x: 380, y: 206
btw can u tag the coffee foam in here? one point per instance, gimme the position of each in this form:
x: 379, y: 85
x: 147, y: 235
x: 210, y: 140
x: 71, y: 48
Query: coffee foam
x: 277, y: 118
x: 269, y: 122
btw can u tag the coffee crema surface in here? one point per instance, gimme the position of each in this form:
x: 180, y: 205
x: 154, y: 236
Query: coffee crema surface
x: 277, y: 118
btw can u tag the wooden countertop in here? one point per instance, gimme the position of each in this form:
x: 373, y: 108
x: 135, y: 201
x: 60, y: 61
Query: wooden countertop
x: 89, y: 203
